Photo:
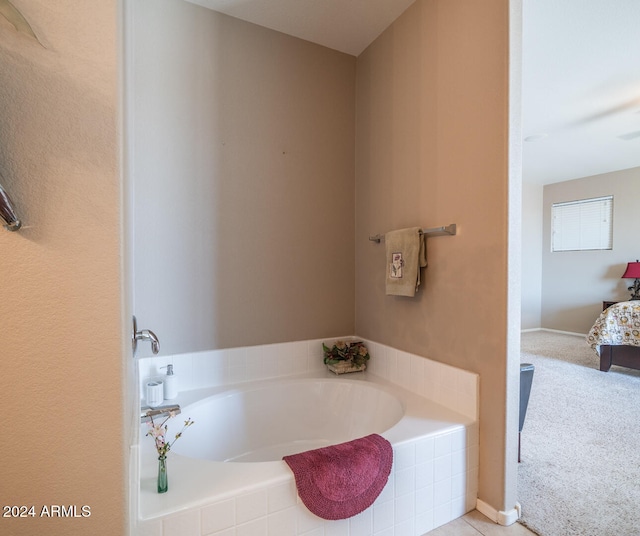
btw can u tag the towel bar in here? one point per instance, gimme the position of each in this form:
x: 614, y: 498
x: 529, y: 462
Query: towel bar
x: 448, y: 230
x: 7, y: 212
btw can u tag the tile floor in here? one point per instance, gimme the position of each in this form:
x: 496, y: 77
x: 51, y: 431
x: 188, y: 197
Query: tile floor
x: 476, y: 524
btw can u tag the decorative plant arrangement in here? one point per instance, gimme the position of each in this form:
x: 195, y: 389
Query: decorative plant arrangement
x: 346, y: 356
x: 159, y: 432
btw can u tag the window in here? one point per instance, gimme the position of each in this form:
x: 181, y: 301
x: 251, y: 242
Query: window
x: 581, y: 225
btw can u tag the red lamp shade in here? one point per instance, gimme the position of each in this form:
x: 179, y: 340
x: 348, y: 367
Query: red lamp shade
x: 632, y: 271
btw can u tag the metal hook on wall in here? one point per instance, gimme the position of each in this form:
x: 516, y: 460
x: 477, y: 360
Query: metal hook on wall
x: 7, y: 212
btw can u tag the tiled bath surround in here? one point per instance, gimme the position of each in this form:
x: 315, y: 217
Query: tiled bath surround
x: 449, y: 386
x: 433, y: 480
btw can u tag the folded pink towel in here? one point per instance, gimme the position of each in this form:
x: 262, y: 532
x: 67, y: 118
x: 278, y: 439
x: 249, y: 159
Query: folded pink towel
x: 342, y: 480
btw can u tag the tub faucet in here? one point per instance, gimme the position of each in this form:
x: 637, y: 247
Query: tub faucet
x: 161, y: 411
x: 144, y: 335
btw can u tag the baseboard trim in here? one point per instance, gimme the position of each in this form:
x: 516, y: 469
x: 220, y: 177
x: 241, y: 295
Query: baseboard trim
x: 564, y: 332
x: 531, y: 330
x: 504, y: 518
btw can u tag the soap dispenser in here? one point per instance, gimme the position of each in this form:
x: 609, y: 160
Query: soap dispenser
x: 170, y: 384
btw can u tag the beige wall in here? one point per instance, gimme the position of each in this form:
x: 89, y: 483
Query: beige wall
x: 60, y: 292
x: 575, y: 283
x: 244, y: 182
x: 431, y: 149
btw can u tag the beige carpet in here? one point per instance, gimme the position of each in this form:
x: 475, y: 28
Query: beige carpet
x: 580, y: 469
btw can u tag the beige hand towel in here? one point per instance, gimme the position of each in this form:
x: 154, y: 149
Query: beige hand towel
x: 406, y: 253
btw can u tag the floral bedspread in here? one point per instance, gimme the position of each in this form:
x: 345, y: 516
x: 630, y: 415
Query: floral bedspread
x: 618, y: 324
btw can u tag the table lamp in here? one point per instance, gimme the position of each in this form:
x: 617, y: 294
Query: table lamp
x: 633, y: 272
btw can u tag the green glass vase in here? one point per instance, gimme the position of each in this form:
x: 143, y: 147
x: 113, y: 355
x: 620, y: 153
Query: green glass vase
x: 163, y: 483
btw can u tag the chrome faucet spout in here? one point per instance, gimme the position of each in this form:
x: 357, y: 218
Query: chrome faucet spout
x: 148, y: 335
x: 144, y: 335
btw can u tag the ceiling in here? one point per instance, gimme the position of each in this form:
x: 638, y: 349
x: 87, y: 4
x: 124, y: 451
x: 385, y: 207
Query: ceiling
x: 580, y: 71
x: 580, y: 88
x: 345, y: 25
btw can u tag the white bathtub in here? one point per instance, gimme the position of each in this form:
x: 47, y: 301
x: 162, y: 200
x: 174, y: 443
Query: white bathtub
x: 264, y: 422
x: 435, y: 456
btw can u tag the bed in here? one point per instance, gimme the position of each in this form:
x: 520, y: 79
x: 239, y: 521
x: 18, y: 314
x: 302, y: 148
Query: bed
x: 615, y: 336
